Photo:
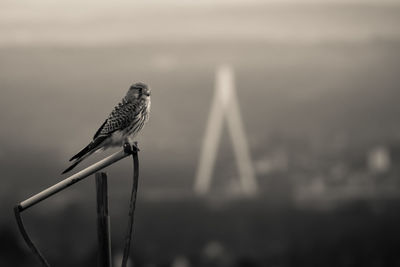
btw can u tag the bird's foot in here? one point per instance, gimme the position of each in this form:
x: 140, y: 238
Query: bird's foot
x: 131, y: 148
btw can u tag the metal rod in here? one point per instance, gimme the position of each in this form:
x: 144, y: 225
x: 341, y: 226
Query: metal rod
x: 103, y: 221
x: 129, y: 233
x: 74, y: 178
x: 28, y: 240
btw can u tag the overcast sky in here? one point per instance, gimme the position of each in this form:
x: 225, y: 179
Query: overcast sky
x: 98, y: 22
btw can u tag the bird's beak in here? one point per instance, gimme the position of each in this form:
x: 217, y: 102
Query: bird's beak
x: 147, y: 93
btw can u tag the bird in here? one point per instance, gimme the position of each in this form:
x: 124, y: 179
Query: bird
x: 122, y: 125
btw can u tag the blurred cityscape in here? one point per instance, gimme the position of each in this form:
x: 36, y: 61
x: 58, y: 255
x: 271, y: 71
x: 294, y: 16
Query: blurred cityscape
x: 315, y: 86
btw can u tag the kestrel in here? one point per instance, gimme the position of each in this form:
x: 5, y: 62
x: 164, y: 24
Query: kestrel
x: 122, y: 125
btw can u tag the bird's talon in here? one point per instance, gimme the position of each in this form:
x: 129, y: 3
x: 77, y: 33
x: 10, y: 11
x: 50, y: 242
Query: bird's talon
x: 130, y: 148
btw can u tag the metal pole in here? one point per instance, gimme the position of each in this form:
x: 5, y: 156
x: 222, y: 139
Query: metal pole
x: 103, y: 221
x: 132, y: 204
x: 75, y: 178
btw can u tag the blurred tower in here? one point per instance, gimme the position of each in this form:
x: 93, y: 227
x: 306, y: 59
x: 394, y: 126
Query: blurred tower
x: 225, y: 105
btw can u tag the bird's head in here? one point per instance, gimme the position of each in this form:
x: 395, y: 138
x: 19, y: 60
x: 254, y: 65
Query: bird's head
x: 138, y: 91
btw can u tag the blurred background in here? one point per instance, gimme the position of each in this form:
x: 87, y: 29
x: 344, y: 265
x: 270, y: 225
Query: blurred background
x: 317, y: 89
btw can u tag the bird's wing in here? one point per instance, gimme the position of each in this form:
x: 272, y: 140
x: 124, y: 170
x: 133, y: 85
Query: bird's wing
x: 123, y: 115
x: 99, y: 130
x: 120, y: 118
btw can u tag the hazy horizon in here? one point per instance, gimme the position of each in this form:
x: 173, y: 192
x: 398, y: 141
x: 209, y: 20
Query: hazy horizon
x: 77, y: 23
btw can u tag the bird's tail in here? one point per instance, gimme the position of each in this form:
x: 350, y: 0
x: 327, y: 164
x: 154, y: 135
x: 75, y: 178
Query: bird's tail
x: 86, y: 152
x: 73, y: 165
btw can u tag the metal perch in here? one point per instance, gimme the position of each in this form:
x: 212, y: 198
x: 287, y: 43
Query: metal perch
x: 127, y: 150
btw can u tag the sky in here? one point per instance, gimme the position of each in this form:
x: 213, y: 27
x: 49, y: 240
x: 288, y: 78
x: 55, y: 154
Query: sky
x: 77, y: 23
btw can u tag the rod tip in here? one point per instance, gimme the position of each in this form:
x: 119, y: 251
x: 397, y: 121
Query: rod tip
x: 18, y: 208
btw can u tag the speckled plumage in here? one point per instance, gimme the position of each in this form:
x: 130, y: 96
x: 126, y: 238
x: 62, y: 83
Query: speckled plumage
x: 122, y: 125
x: 127, y: 118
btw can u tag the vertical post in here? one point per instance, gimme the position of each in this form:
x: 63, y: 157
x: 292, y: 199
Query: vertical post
x: 103, y: 221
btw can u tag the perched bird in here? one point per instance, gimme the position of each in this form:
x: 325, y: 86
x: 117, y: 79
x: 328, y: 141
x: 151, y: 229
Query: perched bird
x: 122, y: 125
